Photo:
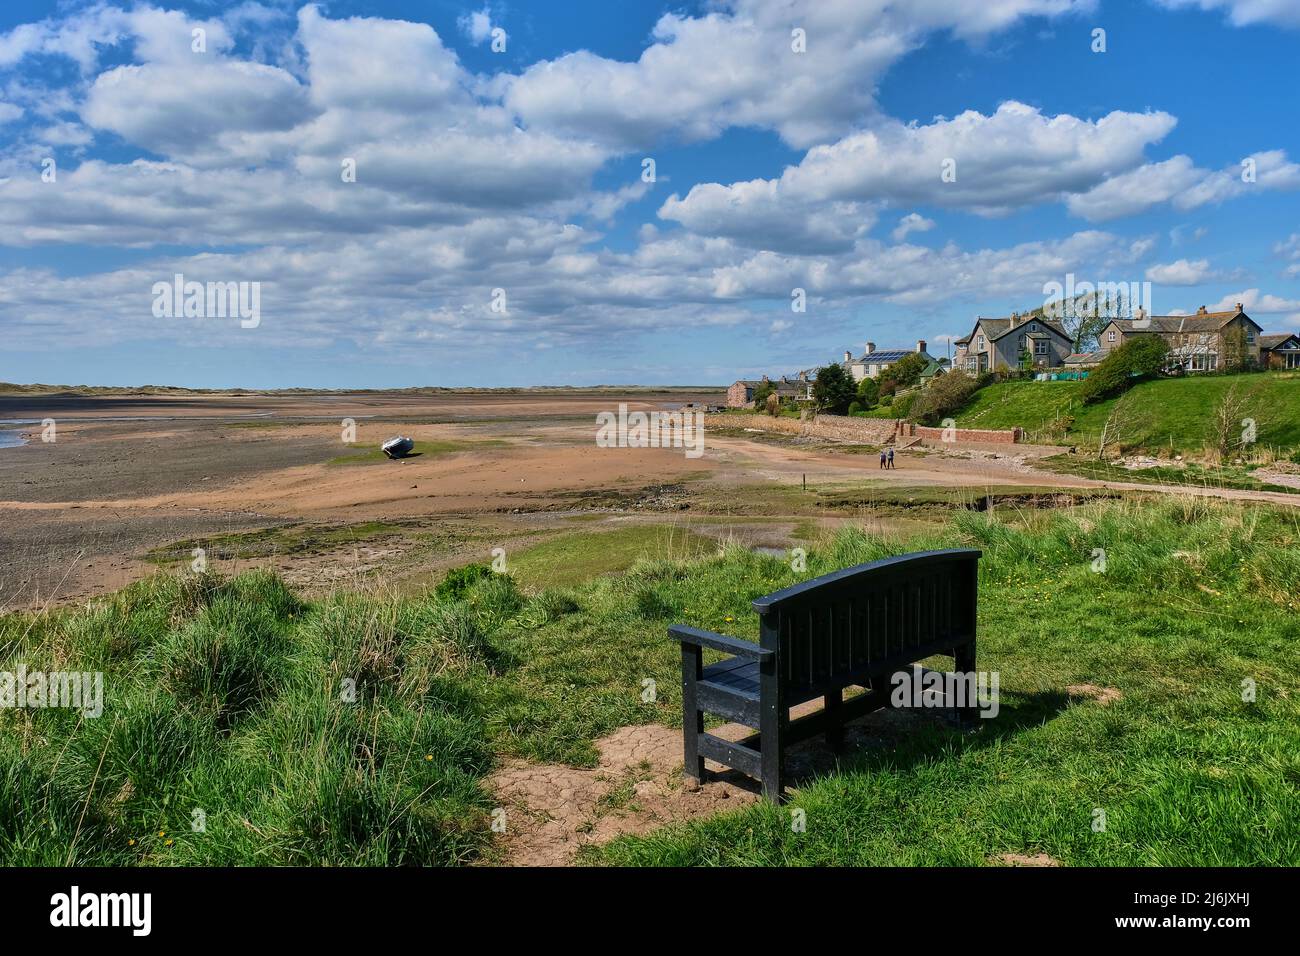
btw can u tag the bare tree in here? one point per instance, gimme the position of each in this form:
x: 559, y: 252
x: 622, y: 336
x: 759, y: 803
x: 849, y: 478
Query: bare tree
x: 1235, y: 419
x: 1125, y: 422
x: 1084, y: 316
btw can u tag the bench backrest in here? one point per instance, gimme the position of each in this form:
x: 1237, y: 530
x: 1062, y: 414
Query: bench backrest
x: 870, y: 618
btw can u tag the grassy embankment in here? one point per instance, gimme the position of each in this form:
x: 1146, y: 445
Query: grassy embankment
x: 226, y: 697
x: 1179, y: 412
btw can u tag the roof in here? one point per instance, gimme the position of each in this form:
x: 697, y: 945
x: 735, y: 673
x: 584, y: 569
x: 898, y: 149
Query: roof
x: 996, y: 328
x: 1174, y: 324
x: 1271, y: 340
x: 887, y: 355
x: 1084, y: 358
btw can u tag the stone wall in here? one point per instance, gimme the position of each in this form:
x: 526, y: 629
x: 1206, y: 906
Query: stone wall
x: 865, y: 431
x: 994, y: 436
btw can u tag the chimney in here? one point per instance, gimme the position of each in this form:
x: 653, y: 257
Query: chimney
x: 920, y: 345
x: 848, y: 356
x: 1201, y: 311
x: 1239, y: 307
x: 871, y: 347
x: 765, y: 378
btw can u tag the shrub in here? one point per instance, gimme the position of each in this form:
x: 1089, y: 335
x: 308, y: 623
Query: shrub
x: 904, y: 373
x: 868, y: 393
x: 458, y: 581
x: 945, y: 396
x: 1138, y: 358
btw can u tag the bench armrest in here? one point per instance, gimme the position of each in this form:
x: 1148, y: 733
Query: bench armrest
x: 719, y: 642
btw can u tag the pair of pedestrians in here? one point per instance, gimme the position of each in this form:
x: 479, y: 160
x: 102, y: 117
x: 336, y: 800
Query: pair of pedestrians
x: 886, y: 458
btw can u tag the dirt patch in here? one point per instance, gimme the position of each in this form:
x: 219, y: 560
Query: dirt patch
x: 1022, y: 859
x: 1102, y: 695
x: 552, y: 810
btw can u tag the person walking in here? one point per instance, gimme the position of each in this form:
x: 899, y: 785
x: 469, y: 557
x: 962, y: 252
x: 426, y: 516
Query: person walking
x: 891, y: 457
x: 882, y: 458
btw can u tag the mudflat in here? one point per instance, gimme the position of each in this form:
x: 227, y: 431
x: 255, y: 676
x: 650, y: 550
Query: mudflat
x: 137, y: 482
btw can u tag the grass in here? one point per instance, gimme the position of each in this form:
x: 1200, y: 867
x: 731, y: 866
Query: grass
x: 574, y: 558
x: 229, y: 697
x: 1191, y: 475
x: 371, y: 456
x: 1180, y: 410
x: 293, y: 538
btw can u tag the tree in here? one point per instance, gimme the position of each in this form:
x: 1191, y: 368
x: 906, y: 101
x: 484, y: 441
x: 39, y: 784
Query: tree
x: 1124, y: 423
x: 1084, y: 316
x: 1237, y: 353
x: 904, y: 373
x: 833, y: 389
x: 773, y: 404
x: 868, y: 392
x: 764, y: 389
x: 1235, y: 420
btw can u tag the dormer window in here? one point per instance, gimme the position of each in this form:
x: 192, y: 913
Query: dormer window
x: 979, y: 343
x: 1110, y: 336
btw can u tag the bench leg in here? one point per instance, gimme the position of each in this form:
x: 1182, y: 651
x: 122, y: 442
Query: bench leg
x: 772, y: 720
x: 835, y: 720
x: 964, y: 661
x: 692, y: 717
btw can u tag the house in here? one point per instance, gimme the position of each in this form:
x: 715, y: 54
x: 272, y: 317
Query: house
x: 1203, y: 342
x: 873, y: 361
x: 799, y: 388
x: 1000, y: 343
x: 1279, y: 350
x: 741, y: 393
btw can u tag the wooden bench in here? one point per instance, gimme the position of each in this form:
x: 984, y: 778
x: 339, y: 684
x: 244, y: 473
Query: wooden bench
x: 854, y: 627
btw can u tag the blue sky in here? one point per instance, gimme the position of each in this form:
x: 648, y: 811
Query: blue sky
x: 521, y: 170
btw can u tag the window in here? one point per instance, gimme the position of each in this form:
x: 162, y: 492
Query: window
x: 1110, y: 336
x: 1040, y: 348
x: 1250, y: 337
x: 1033, y: 326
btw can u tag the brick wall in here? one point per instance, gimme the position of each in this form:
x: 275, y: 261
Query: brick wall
x: 985, y: 435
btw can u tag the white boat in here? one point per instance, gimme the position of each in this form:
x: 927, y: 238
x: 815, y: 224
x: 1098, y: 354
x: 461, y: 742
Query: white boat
x: 398, y: 447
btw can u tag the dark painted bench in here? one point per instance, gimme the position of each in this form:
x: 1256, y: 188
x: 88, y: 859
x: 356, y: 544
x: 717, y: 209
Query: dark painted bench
x: 854, y: 627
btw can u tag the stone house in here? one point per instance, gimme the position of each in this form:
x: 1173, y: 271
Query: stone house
x: 741, y: 393
x: 1000, y: 343
x: 1203, y: 342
